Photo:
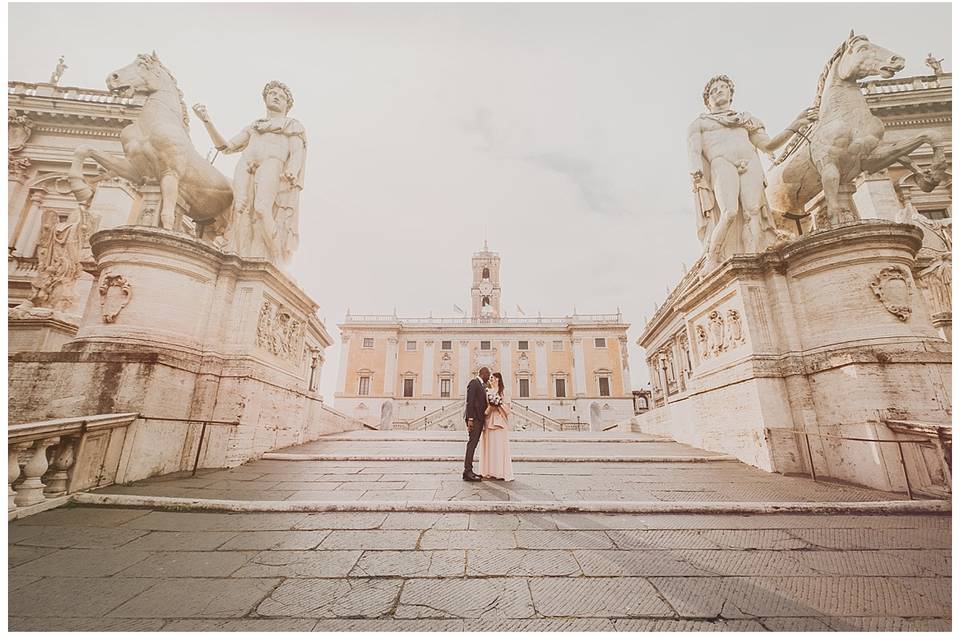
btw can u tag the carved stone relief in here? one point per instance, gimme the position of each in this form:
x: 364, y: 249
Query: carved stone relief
x: 278, y: 331
x: 115, y: 293
x: 446, y: 364
x: 716, y: 332
x: 892, y: 287
x: 722, y: 332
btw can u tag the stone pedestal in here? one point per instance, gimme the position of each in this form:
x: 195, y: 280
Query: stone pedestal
x: 174, y: 328
x: 827, y: 336
x: 39, y: 330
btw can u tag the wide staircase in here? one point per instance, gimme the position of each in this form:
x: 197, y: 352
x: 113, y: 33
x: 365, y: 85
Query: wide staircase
x: 450, y: 418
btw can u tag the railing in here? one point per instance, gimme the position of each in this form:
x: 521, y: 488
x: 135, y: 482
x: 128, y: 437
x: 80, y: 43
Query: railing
x: 535, y: 417
x: 899, y: 442
x: 435, y: 416
x: 35, y: 477
x: 203, y: 433
x: 506, y: 321
x: 915, y: 83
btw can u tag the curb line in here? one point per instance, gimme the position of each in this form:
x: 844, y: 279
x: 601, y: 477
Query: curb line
x: 899, y: 507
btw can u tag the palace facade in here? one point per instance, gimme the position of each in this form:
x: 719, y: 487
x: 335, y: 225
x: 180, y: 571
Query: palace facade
x: 567, y: 372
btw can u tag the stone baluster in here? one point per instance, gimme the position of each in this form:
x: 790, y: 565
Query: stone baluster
x: 61, y: 462
x: 31, y: 491
x: 13, y: 472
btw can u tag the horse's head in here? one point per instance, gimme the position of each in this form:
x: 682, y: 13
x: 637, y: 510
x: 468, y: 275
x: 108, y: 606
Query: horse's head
x: 862, y: 59
x: 143, y: 75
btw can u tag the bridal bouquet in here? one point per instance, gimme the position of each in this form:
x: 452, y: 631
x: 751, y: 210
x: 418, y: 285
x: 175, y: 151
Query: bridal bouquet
x: 494, y: 398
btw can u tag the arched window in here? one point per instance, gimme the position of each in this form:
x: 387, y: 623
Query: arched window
x: 486, y: 273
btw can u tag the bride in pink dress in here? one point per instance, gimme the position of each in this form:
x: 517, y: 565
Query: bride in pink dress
x: 494, y: 447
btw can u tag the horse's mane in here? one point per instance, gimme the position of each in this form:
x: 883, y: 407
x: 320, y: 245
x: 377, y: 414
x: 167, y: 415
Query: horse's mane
x: 800, y: 136
x: 184, y: 114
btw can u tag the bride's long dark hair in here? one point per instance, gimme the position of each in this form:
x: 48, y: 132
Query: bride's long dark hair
x: 499, y: 383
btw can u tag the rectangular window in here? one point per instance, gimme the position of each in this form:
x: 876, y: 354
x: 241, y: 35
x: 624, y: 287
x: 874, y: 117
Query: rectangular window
x: 558, y: 345
x: 604, y: 387
x: 408, y: 387
x: 484, y: 345
x: 523, y: 345
x: 445, y: 388
x: 411, y: 345
x: 561, y: 387
x: 364, y: 386
x: 446, y: 345
x: 600, y: 343
x: 524, y: 388
x: 368, y: 343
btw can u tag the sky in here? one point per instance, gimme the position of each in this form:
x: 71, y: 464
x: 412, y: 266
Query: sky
x: 555, y: 132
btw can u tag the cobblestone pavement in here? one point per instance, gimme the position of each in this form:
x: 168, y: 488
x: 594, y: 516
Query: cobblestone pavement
x: 83, y: 568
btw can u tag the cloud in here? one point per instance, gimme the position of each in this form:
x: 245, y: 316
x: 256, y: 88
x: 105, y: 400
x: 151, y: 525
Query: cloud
x: 481, y: 124
x: 581, y: 173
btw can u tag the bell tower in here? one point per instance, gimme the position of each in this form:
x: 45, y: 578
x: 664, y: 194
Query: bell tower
x: 485, y: 291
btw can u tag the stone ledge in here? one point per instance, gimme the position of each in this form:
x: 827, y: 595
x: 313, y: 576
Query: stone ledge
x: 899, y: 507
x: 315, y: 457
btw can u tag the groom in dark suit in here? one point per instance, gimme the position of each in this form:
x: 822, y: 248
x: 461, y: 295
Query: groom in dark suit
x: 474, y: 415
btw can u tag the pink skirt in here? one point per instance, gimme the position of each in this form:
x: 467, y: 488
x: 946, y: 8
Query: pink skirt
x: 494, y: 453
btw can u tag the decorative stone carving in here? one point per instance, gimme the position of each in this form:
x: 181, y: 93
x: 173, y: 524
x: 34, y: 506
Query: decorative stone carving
x: 734, y: 329
x: 853, y: 142
x: 892, y: 287
x: 935, y: 64
x: 58, y: 265
x: 386, y: 415
x: 703, y: 342
x: 523, y: 363
x: 157, y: 146
x: 19, y: 130
x: 115, y: 293
x: 716, y: 333
x: 728, y: 181
x: 267, y: 180
x: 446, y: 363
x: 278, y: 331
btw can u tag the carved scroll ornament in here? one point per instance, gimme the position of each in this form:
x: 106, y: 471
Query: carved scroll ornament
x: 114, y: 295
x: 892, y: 287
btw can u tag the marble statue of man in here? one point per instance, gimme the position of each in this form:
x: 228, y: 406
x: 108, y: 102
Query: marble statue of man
x: 58, y: 72
x: 728, y: 179
x: 935, y: 64
x: 267, y: 180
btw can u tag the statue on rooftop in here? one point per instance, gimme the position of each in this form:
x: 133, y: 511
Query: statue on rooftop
x: 268, y: 179
x: 728, y: 179
x: 58, y: 72
x: 934, y: 64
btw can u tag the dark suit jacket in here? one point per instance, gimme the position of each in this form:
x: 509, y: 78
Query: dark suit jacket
x: 476, y: 402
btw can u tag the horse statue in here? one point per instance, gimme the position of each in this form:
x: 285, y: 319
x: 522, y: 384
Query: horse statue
x: 846, y: 140
x: 157, y: 146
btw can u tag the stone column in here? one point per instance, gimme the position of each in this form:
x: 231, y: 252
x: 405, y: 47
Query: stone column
x: 426, y: 369
x: 624, y: 367
x: 540, y: 366
x: 463, y: 368
x: 344, y: 355
x: 390, y: 366
x: 579, y: 374
x: 29, y: 232
x: 31, y: 491
x: 506, y: 368
x: 63, y: 459
x: 13, y: 472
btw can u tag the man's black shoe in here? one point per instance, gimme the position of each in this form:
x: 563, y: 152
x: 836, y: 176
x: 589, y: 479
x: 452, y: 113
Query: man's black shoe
x: 470, y: 476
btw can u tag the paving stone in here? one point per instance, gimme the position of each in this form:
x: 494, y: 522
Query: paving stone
x: 563, y: 540
x: 299, y: 564
x: 180, y: 541
x: 424, y: 521
x: 509, y: 562
x: 16, y: 581
x: 598, y: 521
x: 876, y: 563
x: 511, y: 521
x: 369, y: 540
x: 759, y: 562
x: 178, y: 598
x: 635, y: 562
x: 16, y: 531
x: 84, y: 516
x: 389, y: 626
x: 741, y: 539
x: 468, y: 540
x: 189, y: 564
x: 596, y: 597
x: 795, y: 624
x: 654, y: 625
x: 81, y: 537
x: 192, y: 521
x: 876, y: 538
x: 410, y: 564
x: 468, y: 598
x: 74, y: 597
x: 540, y: 626
x: 82, y: 563
x: 320, y: 598
x: 82, y: 624
x: 660, y: 540
x: 874, y: 624
x: 338, y: 520
x: 305, y: 485
x: 275, y: 540
x: 249, y: 485
x: 804, y: 596
x: 242, y: 625
x: 19, y: 554
x: 339, y: 495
